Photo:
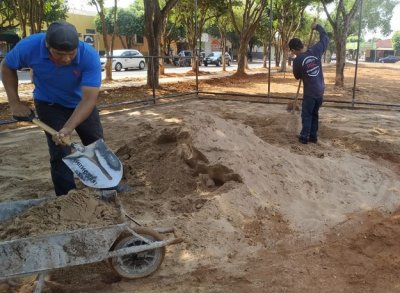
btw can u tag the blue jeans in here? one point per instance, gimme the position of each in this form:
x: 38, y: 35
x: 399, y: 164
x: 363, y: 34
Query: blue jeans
x: 89, y: 131
x: 309, y: 117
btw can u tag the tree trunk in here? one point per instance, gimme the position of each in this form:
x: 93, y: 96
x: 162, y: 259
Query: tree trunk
x: 161, y: 61
x: 115, y: 26
x: 106, y: 46
x: 152, y: 13
x: 340, y: 60
x: 242, y: 57
x: 154, y: 19
x: 122, y: 41
x: 285, y: 56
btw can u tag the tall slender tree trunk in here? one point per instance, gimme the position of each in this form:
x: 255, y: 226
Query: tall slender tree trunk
x: 340, y: 59
x: 242, y: 62
x: 154, y: 19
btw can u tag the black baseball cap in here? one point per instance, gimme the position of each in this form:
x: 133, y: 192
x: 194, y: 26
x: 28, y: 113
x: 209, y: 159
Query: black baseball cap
x: 295, y: 44
x: 62, y: 36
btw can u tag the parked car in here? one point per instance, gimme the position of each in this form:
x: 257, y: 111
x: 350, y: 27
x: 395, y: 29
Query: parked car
x: 184, y: 58
x: 125, y: 59
x: 389, y: 59
x: 333, y: 57
x: 216, y: 59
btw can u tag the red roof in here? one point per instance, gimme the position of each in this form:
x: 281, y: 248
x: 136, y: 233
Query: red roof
x: 384, y: 44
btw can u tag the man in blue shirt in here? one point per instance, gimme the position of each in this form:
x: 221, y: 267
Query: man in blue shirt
x: 67, y: 79
x: 307, y: 66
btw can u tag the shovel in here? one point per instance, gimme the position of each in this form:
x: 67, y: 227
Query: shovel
x: 95, y: 164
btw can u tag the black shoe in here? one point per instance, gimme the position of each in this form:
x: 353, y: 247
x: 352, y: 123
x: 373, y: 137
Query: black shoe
x: 123, y: 188
x: 303, y: 140
x: 120, y: 188
x: 313, y: 139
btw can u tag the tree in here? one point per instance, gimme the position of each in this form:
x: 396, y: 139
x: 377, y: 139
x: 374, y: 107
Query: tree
x: 377, y: 15
x: 396, y: 41
x: 265, y: 34
x: 186, y: 14
x: 220, y: 17
x: 128, y: 25
x: 155, y: 21
x: 341, y: 19
x: 290, y: 15
x: 34, y: 13
x: 99, y: 4
x: 7, y: 15
x: 245, y: 19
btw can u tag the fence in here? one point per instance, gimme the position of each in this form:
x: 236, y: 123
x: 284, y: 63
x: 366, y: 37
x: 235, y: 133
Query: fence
x: 272, y: 86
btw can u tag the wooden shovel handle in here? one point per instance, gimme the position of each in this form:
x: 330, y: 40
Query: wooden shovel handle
x: 49, y: 130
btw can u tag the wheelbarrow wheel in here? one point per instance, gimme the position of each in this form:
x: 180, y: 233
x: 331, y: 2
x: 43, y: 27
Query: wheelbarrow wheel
x: 137, y: 265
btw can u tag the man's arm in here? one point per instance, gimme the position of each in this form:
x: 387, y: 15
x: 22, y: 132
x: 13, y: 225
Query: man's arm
x: 323, y: 38
x: 10, y: 81
x: 296, y: 69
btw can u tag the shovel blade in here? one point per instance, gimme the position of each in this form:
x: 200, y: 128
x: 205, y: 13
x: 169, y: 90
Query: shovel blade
x: 95, y: 165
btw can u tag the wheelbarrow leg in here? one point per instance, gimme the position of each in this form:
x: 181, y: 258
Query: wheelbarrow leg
x: 40, y: 283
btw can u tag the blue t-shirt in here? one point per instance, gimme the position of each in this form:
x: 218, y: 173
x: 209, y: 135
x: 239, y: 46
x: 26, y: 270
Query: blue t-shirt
x: 308, y: 67
x: 59, y: 84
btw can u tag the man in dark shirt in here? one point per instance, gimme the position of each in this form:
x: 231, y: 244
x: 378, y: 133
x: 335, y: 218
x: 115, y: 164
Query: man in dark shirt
x: 307, y: 66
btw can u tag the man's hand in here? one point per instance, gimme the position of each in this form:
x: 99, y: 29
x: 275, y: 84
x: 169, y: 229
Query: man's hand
x: 19, y: 109
x: 63, y: 137
x: 314, y: 25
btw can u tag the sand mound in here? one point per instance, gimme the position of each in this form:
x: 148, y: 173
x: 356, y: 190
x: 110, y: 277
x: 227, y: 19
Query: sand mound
x: 256, y: 210
x: 77, y: 210
x: 231, y: 193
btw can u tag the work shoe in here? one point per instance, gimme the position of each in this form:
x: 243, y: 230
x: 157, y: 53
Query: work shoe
x: 303, y: 140
x: 120, y: 188
x: 313, y: 139
x: 123, y: 188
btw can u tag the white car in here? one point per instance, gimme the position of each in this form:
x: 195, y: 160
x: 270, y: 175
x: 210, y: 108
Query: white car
x: 125, y: 59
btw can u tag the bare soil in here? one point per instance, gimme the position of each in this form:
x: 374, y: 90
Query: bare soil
x: 257, y: 211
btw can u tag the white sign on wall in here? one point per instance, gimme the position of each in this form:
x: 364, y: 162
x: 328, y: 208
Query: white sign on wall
x: 204, y: 37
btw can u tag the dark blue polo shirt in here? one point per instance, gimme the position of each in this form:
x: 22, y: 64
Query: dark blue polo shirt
x: 59, y: 84
x: 308, y: 66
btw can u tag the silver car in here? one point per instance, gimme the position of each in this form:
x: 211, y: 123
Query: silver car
x: 125, y: 59
x: 216, y: 59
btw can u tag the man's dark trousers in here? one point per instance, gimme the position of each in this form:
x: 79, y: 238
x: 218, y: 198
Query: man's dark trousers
x: 310, y: 116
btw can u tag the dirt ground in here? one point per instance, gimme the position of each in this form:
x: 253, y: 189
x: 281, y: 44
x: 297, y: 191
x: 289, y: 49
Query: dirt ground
x: 258, y: 212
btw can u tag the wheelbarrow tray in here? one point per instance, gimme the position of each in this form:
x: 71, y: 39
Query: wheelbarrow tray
x: 38, y: 254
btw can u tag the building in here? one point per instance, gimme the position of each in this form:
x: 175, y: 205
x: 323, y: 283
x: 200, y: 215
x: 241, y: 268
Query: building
x: 372, y: 51
x: 84, y: 22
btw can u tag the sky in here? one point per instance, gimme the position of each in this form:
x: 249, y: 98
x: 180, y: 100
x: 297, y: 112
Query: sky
x: 81, y: 4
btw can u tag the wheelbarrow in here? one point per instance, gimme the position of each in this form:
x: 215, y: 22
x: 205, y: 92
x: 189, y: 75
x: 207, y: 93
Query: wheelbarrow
x: 132, y: 252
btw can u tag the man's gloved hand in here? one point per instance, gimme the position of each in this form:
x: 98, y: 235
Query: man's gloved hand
x: 19, y: 109
x: 24, y: 116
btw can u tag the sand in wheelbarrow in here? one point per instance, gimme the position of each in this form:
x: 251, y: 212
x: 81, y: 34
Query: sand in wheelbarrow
x: 78, y: 209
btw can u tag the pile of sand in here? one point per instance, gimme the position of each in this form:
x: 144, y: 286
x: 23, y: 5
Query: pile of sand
x: 238, y: 188
x: 77, y: 210
x: 231, y: 193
